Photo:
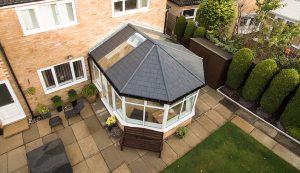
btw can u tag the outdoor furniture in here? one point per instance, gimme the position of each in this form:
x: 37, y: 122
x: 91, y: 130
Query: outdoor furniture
x: 138, y: 114
x: 49, y: 158
x: 141, y: 138
x: 71, y: 111
x: 55, y: 121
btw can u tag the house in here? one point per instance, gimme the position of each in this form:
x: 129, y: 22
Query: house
x: 145, y: 80
x: 46, y: 43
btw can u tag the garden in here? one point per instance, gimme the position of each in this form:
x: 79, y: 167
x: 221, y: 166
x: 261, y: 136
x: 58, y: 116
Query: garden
x: 230, y: 149
x: 263, y: 76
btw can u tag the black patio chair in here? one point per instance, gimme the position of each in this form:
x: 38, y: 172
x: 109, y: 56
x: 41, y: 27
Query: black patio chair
x: 74, y: 111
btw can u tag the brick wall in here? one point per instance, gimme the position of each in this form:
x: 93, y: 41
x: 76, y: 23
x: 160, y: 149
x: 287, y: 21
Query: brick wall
x: 27, y: 54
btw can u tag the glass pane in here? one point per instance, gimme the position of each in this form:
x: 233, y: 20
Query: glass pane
x: 131, y: 4
x: 97, y: 76
x: 5, y: 97
x: 63, y: 73
x: 136, y: 39
x: 134, y: 114
x: 154, y: 117
x: 118, y: 6
x: 157, y: 104
x: 48, y: 14
x: 67, y: 14
x: 119, y: 105
x: 29, y: 19
x: 144, y: 3
x: 187, y: 106
x: 109, y: 89
x: 173, y: 114
x: 133, y: 100
x: 104, y: 84
x: 48, y: 78
x: 188, y: 13
x: 78, y: 69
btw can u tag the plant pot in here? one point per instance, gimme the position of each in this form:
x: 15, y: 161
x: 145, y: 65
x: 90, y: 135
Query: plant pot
x: 110, y: 127
x: 59, y: 109
x: 74, y: 103
x: 91, y: 99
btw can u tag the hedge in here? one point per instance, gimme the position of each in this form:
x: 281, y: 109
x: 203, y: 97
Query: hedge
x: 282, y: 84
x: 259, y: 78
x: 200, y: 32
x: 180, y: 27
x: 290, y: 118
x: 189, y: 30
x: 238, y: 68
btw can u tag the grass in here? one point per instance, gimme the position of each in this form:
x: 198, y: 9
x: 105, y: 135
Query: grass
x: 230, y: 150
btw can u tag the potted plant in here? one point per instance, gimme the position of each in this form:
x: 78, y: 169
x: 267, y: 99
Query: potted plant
x: 58, y: 103
x: 72, y: 96
x: 43, y: 110
x: 89, y: 91
x: 111, y: 122
x: 181, y: 132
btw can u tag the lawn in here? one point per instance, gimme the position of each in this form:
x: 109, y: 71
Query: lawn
x: 230, y: 150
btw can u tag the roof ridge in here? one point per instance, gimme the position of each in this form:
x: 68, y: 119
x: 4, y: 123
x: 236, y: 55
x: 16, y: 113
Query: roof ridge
x: 163, y: 74
x: 177, y: 49
x: 138, y: 67
x: 142, y: 33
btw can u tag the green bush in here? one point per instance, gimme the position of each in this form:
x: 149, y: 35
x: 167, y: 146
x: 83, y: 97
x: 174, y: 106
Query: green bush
x: 181, y: 132
x: 200, y: 32
x: 282, y: 84
x: 57, y: 101
x: 290, y: 118
x: 259, y: 78
x: 241, y: 62
x: 189, y: 30
x: 180, y: 27
x: 72, y: 95
x: 89, y: 90
x: 42, y: 109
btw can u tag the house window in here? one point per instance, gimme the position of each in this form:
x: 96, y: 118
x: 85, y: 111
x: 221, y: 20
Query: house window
x: 62, y: 75
x: 190, y: 13
x: 127, y: 6
x: 44, y: 17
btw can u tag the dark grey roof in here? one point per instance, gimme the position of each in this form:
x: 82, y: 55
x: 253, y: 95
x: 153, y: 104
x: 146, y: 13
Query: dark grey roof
x: 154, y: 70
x: 186, y: 2
x: 14, y: 2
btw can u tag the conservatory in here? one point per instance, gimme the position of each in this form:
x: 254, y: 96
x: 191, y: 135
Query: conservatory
x: 146, y: 82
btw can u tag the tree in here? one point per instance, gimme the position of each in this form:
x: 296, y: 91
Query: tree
x: 180, y: 27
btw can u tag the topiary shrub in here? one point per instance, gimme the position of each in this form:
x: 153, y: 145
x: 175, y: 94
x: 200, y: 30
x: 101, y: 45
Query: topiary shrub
x: 259, y: 78
x: 180, y: 27
x: 282, y: 84
x: 241, y: 62
x: 189, y: 30
x: 290, y: 118
x: 181, y: 132
x: 200, y: 32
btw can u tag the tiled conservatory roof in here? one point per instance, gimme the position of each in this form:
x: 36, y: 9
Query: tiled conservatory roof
x: 186, y: 2
x: 155, y: 70
x: 15, y: 2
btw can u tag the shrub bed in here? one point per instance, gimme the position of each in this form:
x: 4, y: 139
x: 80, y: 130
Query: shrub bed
x: 290, y: 118
x: 259, y: 78
x: 282, y: 84
x: 180, y: 27
x: 238, y: 68
x: 189, y: 30
x: 200, y: 32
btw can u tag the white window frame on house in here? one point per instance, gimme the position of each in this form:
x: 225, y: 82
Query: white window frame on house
x: 126, y: 12
x: 190, y: 17
x: 57, y: 86
x: 39, y: 19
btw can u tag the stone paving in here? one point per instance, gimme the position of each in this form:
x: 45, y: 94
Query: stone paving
x: 91, y: 150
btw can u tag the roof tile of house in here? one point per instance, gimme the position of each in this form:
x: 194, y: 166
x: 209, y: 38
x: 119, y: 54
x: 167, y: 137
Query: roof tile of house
x: 186, y: 2
x: 15, y: 2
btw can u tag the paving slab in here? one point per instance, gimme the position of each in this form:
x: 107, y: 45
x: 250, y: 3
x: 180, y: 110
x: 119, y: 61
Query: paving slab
x: 49, y: 138
x: 80, y: 130
x: 87, y: 111
x: 31, y: 134
x: 198, y: 130
x: 263, y: 138
x: 168, y: 155
x: 97, y: 164
x: 9, y: 143
x: 43, y: 127
x: 214, y: 94
x: 224, y: 111
x: 201, y: 107
x: 24, y: 169
x: 141, y: 152
x: 178, y: 145
x: 210, y: 101
x: 139, y: 166
x: 112, y: 157
x: 15, y: 128
x: 207, y: 123
x: 34, y: 144
x: 241, y: 123
x: 128, y: 154
x: 266, y: 128
x: 74, y: 153
x: 288, y: 143
x: 246, y: 115
x: 191, y: 139
x: 3, y: 163
x: 229, y: 105
x: 206, y: 88
x: 92, y: 124
x: 88, y: 146
x: 216, y: 117
x: 66, y: 135
x: 102, y: 139
x: 287, y: 155
x: 122, y: 169
x: 16, y: 159
x: 154, y: 163
x: 81, y: 168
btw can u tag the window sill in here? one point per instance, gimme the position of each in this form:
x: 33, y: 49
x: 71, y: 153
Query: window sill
x: 27, y: 33
x: 64, y: 86
x: 124, y: 13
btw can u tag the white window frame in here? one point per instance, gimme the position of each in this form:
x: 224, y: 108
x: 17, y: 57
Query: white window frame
x: 127, y: 12
x: 39, y: 19
x: 191, y: 17
x: 57, y: 87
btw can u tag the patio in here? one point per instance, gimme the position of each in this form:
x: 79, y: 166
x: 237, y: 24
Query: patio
x: 91, y: 149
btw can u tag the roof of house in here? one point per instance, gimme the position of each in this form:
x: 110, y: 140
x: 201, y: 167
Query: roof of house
x: 290, y: 10
x: 155, y: 70
x: 186, y: 2
x: 15, y: 2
